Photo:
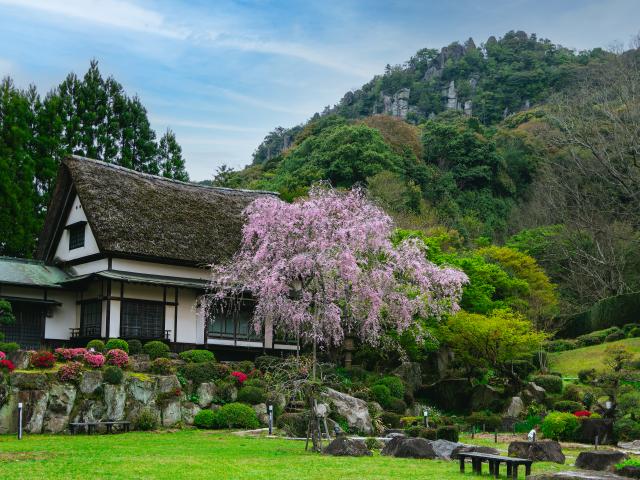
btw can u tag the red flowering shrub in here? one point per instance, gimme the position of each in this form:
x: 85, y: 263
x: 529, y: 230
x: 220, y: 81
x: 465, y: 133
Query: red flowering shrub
x: 43, y: 359
x: 6, y: 366
x: 582, y: 413
x: 68, y: 354
x: 239, y: 376
x: 70, y: 372
x: 118, y: 357
x: 94, y: 360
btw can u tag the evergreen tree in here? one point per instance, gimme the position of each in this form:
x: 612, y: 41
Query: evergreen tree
x: 170, y: 159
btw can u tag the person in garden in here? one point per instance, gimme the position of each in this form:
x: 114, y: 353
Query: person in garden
x: 533, y: 434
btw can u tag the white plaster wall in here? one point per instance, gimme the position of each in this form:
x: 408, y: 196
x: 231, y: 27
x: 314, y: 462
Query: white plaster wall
x: 89, y: 267
x: 114, y: 315
x: 90, y: 246
x: 63, y: 317
x: 152, y: 268
x: 190, y: 323
x: 143, y: 292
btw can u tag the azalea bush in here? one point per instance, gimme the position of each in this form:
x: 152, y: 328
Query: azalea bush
x: 94, y: 360
x: 239, y: 376
x: 42, y: 359
x: 70, y: 372
x: 582, y: 413
x: 68, y: 354
x: 2, y: 355
x: 6, y: 366
x: 118, y: 357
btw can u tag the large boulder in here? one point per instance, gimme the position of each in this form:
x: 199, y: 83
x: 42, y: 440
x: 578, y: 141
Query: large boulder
x: 34, y: 409
x: 347, y: 447
x: 533, y: 393
x: 515, y: 408
x: 354, y: 410
x: 114, y: 398
x: 633, y: 446
x: 206, y: 393
x: 544, y: 451
x: 61, y: 400
x: 452, y: 394
x: 410, y: 373
x: 8, y: 417
x: 141, y: 390
x: 140, y: 362
x: 404, y: 447
x: 171, y: 413
x: 262, y: 413
x: 600, y: 459
x: 582, y: 475
x: 485, y: 397
x: 89, y: 410
x: 90, y: 381
x: 189, y: 412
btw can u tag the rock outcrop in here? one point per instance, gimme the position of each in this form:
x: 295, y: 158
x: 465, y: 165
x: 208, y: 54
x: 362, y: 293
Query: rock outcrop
x: 397, y: 104
x: 600, y: 459
x: 347, y: 447
x: 544, y: 451
x: 404, y: 447
x: 355, y: 410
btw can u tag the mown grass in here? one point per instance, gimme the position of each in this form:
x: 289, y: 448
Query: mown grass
x: 571, y: 362
x: 193, y: 454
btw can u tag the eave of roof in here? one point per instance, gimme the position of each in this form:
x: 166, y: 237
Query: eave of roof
x: 144, y: 278
x: 30, y: 273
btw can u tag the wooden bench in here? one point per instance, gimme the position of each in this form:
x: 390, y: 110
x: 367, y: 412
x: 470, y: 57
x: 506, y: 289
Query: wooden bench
x: 92, y: 426
x: 494, y: 462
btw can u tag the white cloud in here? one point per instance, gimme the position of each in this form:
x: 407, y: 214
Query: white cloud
x: 111, y: 13
x: 176, y: 122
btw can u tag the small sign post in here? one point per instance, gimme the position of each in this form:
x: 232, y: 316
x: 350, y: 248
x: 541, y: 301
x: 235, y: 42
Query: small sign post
x: 270, y: 419
x: 20, y: 421
x: 426, y: 417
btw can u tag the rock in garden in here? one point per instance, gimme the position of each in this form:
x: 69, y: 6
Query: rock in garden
x: 19, y: 358
x: 261, y: 413
x: 347, y: 447
x: 354, y: 410
x: 515, y: 408
x: 35, y: 406
x: 633, y: 446
x: 29, y: 381
x: 409, y: 448
x: 582, y: 475
x: 410, y: 373
x: 599, y: 459
x: 485, y: 397
x: 533, y: 393
x: 544, y: 451
x: 629, y: 471
x: 90, y: 381
x: 206, y: 393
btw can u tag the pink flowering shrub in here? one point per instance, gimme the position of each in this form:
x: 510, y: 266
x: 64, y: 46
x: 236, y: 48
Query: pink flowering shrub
x: 117, y: 357
x: 70, y: 372
x: 68, y: 354
x: 94, y: 360
x: 2, y: 356
x: 239, y: 376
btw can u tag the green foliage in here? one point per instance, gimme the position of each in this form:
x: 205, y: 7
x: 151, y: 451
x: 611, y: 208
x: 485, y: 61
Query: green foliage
x: 204, y: 372
x: 97, y: 345
x: 559, y: 426
x: 394, y: 384
x: 146, y: 420
x: 613, y: 311
x: 390, y: 420
x: 162, y: 366
x: 205, y: 419
x: 448, y: 432
x: 8, y: 347
x: 614, y: 337
x: 197, y: 356
x: 484, y: 420
x: 6, y: 315
x: 381, y: 394
x: 526, y: 425
x: 631, y: 462
x: 629, y: 403
x: 551, y: 383
x: 422, y: 432
x: 626, y: 429
x: 236, y: 415
x: 396, y: 405
x: 251, y: 395
x: 156, y: 349
x: 373, y: 443
x: 113, y: 375
x: 244, y: 366
x: 117, y: 343
x: 293, y: 424
x: 561, y: 345
x: 568, y: 406
x: 135, y: 346
x: 267, y: 362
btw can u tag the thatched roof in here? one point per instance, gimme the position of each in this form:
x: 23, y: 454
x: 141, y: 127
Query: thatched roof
x: 139, y: 215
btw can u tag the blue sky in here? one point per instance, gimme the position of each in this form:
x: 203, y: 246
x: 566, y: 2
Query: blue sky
x: 222, y: 74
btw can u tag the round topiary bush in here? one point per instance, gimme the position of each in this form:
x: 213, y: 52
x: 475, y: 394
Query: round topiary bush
x: 396, y: 405
x: 568, y: 406
x: 162, y: 366
x: 113, y: 375
x: 135, y: 347
x: 251, y: 395
x: 197, y: 356
x: 551, y: 383
x: 394, y: 384
x: 390, y: 420
x: 559, y: 426
x: 615, y: 336
x: 205, y: 419
x: 484, y: 421
x: 117, y: 344
x: 156, y: 349
x: 204, y: 372
x: 626, y: 429
x: 236, y: 415
x: 97, y: 345
x: 146, y: 421
x: 448, y: 432
x: 381, y: 394
x: 634, y: 332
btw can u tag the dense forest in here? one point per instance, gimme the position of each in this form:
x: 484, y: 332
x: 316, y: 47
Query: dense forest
x: 90, y: 116
x: 519, y: 143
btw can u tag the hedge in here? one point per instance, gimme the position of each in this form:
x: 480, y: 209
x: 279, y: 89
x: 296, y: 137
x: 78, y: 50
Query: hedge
x: 551, y: 383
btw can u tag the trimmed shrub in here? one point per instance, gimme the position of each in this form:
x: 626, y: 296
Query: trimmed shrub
x: 94, y: 360
x: 630, y: 326
x: 197, y: 356
x: 390, y: 420
x: 204, y: 372
x: 156, y: 349
x: 162, y: 366
x: 482, y: 420
x: 97, y: 345
x: 634, y: 332
x: 205, y: 419
x: 626, y: 429
x: 394, y: 384
x: 267, y: 362
x: 551, y: 383
x: 70, y: 372
x: 373, y: 443
x: 236, y: 415
x: 587, y: 376
x: 572, y: 392
x: 561, y: 345
x: 396, y: 405
x: 113, y: 375
x: 135, y: 347
x: 118, y: 357
x: 614, y: 337
x: 559, y: 426
x: 524, y: 368
x: 293, y: 424
x: 589, y: 340
x: 146, y: 420
x: 448, y: 432
x: 381, y: 394
x: 422, y: 432
x: 8, y: 347
x: 117, y: 343
x: 42, y: 359
x: 568, y: 406
x: 227, y: 391
x: 251, y: 395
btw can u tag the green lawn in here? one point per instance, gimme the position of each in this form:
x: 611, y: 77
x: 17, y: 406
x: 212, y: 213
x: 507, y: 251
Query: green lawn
x: 192, y: 454
x: 571, y: 362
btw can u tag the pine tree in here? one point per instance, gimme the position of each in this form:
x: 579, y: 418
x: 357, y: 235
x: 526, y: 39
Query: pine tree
x: 170, y: 159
